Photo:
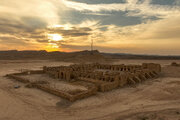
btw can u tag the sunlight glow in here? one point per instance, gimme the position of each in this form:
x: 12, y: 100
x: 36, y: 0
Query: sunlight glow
x: 65, y: 27
x: 56, y: 26
x: 55, y: 37
x: 52, y: 47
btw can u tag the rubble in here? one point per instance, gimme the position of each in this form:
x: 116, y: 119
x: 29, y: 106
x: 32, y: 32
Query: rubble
x: 175, y: 64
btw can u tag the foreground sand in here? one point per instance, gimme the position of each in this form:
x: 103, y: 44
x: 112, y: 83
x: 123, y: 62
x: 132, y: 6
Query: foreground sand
x: 157, y: 99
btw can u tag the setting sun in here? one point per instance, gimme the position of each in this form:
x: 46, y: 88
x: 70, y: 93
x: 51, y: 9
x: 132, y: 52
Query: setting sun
x: 55, y: 37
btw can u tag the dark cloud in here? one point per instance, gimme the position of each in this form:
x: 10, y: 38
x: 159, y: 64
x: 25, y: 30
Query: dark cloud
x: 140, y: 1
x: 28, y: 29
x: 159, y: 2
x: 36, y: 36
x: 118, y: 18
x: 73, y: 32
x: 23, y: 30
x: 76, y: 34
x: 43, y: 41
x: 164, y: 2
x: 10, y: 26
x: 23, y: 26
x: 26, y: 24
x: 103, y: 28
x: 99, y: 1
x: 11, y: 40
x: 31, y: 23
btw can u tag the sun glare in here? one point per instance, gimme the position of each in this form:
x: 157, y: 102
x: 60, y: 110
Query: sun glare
x: 55, y: 37
x: 65, y: 27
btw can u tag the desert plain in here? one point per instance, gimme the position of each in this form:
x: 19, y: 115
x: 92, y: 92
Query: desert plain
x: 154, y: 99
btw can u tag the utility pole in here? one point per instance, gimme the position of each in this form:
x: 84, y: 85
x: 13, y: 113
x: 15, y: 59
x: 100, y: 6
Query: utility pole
x: 92, y: 43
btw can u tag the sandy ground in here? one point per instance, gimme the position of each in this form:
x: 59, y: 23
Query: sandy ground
x: 157, y: 99
x: 54, y: 83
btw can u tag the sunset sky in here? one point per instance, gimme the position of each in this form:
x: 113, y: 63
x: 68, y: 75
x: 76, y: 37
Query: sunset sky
x: 116, y: 26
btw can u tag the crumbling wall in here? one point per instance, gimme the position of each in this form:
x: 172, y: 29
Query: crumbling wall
x: 175, y: 64
x: 102, y: 77
x: 108, y: 86
x: 152, y: 66
x: 18, y: 78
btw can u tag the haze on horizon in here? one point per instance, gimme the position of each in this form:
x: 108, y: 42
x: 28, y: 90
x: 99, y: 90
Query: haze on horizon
x: 125, y: 26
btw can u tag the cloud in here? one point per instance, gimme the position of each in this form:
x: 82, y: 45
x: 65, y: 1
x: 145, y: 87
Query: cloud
x: 32, y: 23
x: 72, y: 32
x: 177, y: 2
x: 11, y: 40
x: 165, y: 29
x: 27, y: 28
x: 135, y: 26
x: 96, y: 14
x: 43, y: 41
x: 164, y: 2
x: 21, y: 33
x: 100, y: 1
x: 154, y: 37
x: 133, y: 7
x: 46, y: 9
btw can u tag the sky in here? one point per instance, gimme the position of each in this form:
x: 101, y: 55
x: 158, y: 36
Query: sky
x: 115, y: 26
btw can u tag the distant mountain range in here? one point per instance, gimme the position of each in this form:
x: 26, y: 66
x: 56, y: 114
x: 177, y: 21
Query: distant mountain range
x: 75, y: 56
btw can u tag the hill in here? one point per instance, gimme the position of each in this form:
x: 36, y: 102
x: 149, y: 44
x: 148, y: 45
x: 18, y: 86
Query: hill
x: 80, y: 56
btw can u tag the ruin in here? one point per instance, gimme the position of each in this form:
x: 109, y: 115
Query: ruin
x: 95, y: 77
x: 175, y: 64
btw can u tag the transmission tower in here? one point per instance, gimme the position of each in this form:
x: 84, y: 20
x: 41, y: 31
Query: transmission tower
x: 92, y: 43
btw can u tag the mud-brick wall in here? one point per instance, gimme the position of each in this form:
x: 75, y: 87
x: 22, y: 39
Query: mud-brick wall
x: 140, y: 75
x: 152, y: 66
x: 85, y: 94
x: 55, y: 92
x: 68, y: 96
x: 36, y: 72
x: 108, y: 86
x: 52, y: 73
x: 122, y: 81
x: 23, y: 80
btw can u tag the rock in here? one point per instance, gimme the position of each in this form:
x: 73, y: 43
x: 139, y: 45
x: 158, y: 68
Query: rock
x: 17, y: 86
